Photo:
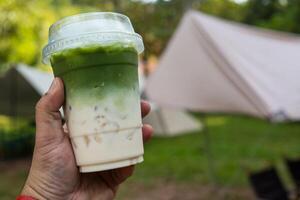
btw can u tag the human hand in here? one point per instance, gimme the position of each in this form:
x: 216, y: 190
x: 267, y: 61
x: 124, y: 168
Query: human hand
x: 53, y: 173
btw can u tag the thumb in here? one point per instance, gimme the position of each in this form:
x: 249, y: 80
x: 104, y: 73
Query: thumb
x: 47, y: 116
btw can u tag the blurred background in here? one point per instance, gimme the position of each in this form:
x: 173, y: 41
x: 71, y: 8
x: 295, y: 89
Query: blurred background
x: 197, y: 152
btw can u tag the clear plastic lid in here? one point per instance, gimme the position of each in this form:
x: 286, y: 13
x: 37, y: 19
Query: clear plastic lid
x: 96, y: 28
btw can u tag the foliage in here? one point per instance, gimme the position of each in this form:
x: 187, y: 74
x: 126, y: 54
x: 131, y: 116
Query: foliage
x: 281, y: 15
x: 24, y: 24
x: 24, y: 28
x: 17, y: 144
x: 223, y: 8
x: 156, y: 23
x: 16, y: 137
x: 276, y: 14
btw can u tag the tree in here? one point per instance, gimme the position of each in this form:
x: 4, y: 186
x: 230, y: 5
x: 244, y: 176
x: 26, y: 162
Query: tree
x: 23, y: 34
x: 274, y: 14
x: 223, y: 8
x: 281, y: 15
x: 24, y: 29
x: 260, y: 11
x: 156, y: 22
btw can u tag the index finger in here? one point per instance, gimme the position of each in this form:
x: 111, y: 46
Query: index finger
x: 145, y: 106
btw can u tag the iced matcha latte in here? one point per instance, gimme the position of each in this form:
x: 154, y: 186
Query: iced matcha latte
x: 102, y: 107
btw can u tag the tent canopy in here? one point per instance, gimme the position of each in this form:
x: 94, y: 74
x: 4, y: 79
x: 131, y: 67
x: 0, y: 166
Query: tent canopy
x: 21, y: 88
x: 213, y: 65
x: 167, y: 121
x: 171, y: 122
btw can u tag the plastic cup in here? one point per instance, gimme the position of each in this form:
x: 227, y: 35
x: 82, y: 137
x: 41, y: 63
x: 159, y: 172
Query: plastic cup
x: 96, y: 55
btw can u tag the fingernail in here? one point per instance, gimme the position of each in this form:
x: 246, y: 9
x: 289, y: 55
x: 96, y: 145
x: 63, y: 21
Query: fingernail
x: 53, y: 84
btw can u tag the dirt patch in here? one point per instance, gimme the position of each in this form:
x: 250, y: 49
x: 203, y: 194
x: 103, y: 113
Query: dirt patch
x: 160, y: 190
x: 15, y: 165
x: 179, y: 191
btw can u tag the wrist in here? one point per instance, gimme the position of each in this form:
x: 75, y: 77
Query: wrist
x: 23, y: 197
x: 41, y: 187
x: 29, y: 191
x: 35, y: 186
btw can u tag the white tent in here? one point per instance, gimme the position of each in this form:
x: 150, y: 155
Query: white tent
x: 168, y: 121
x: 21, y: 87
x: 171, y: 122
x: 213, y: 65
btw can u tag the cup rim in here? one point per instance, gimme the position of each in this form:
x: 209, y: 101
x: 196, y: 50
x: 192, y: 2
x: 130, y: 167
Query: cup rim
x: 58, y: 43
x: 83, y: 17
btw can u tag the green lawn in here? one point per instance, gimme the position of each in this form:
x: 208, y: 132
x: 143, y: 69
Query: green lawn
x: 12, y: 179
x: 238, y: 144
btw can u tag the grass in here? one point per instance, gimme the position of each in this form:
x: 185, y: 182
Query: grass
x: 11, y: 184
x: 238, y: 145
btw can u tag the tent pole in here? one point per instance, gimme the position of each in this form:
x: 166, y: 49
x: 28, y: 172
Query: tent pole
x: 162, y: 120
x: 12, y: 98
x: 208, y: 151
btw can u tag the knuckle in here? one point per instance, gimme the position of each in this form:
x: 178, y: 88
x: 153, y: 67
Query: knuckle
x: 40, y: 105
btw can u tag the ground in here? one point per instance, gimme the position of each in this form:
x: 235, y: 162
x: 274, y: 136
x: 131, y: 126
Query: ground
x: 13, y: 175
x: 168, y: 190
x: 177, y: 168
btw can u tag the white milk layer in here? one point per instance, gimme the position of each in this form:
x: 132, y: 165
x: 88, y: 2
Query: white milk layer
x: 106, y: 131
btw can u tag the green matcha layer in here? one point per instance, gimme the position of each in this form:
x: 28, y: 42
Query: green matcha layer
x: 91, y: 73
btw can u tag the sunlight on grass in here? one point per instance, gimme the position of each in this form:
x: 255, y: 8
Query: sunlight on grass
x: 216, y: 121
x: 9, y: 124
x: 5, y: 123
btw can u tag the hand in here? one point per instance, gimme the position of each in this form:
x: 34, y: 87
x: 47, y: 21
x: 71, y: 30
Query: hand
x: 53, y: 173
